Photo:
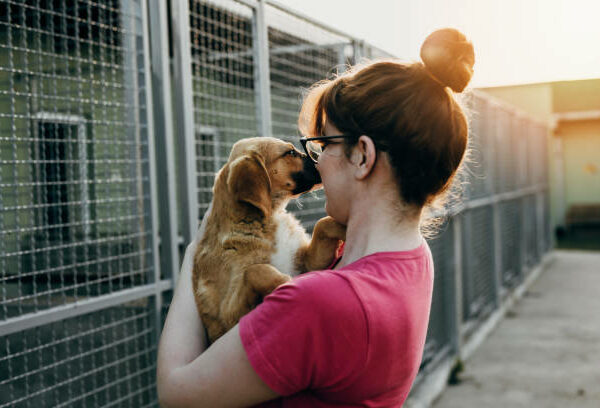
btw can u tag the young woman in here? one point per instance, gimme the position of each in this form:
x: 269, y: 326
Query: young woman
x: 387, y: 139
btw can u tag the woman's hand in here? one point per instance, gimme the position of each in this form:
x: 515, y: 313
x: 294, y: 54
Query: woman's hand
x: 189, y: 374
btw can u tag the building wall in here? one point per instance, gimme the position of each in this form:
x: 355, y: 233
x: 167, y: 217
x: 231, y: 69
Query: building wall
x: 581, y: 150
x: 572, y: 96
x: 535, y: 99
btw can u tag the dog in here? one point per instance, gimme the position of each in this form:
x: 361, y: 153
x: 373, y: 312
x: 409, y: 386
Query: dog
x: 251, y: 245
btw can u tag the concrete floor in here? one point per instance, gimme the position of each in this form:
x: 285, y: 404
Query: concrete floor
x: 546, y: 352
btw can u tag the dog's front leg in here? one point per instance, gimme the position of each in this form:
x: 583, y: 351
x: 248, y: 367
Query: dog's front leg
x: 264, y: 278
x: 320, y: 253
x: 258, y: 281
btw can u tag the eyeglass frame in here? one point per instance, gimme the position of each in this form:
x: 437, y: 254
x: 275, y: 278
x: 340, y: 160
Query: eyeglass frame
x: 304, y: 140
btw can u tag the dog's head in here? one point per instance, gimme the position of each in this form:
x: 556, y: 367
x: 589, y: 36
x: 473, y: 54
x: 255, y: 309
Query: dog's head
x: 265, y: 173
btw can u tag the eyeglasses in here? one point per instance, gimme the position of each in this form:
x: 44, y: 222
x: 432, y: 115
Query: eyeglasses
x: 314, y: 149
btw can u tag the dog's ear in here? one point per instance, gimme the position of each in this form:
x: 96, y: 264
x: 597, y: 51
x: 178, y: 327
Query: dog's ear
x: 248, y: 181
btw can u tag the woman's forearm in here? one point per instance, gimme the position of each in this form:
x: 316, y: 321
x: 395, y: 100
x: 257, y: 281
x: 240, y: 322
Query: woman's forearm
x: 183, y: 337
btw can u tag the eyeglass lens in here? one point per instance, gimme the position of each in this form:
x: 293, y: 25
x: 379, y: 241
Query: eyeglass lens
x: 314, y: 149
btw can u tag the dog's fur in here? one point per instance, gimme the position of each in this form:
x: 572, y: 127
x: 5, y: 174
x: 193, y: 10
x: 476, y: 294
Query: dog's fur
x: 251, y: 244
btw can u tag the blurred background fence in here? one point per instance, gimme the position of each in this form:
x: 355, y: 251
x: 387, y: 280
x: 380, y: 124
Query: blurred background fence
x: 114, y: 118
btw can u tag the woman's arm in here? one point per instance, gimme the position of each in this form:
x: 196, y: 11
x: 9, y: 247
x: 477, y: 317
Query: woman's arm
x: 188, y: 374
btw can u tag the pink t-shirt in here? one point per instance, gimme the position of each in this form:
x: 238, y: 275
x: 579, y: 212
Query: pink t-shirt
x: 344, y: 338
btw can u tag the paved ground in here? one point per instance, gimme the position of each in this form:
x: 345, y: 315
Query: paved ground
x: 546, y: 352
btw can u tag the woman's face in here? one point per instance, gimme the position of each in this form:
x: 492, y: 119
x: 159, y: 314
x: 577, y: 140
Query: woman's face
x: 336, y: 174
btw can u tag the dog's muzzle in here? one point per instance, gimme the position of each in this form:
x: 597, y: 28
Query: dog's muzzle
x: 307, y: 178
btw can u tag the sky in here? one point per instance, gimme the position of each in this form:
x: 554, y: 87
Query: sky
x: 516, y: 41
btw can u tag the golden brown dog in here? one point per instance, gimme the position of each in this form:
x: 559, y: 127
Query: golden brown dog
x: 251, y: 244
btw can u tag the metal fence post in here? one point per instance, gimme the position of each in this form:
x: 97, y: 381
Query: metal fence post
x: 260, y: 36
x: 522, y: 237
x: 359, y: 50
x: 457, y: 299
x: 156, y: 303
x: 497, y: 254
x: 184, y: 118
x: 163, y: 125
x: 467, y: 290
x: 493, y: 188
x: 539, y: 217
x: 341, y: 51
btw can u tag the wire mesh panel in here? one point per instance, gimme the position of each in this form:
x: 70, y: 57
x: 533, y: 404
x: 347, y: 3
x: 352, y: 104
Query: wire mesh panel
x: 75, y: 218
x: 371, y: 52
x: 480, y: 149
x: 478, y: 263
x: 542, y: 152
x: 223, y: 84
x: 505, y: 152
x: 538, y: 154
x: 106, y: 358
x: 533, y: 153
x: 439, y: 334
x: 520, y: 142
x: 300, y: 54
x: 511, y: 225
x: 530, y: 236
x: 547, y: 233
x: 72, y: 187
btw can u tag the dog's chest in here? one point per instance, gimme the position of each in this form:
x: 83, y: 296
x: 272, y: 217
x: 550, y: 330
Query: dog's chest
x: 289, y: 237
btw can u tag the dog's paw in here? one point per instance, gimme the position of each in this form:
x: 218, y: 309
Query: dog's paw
x: 328, y: 228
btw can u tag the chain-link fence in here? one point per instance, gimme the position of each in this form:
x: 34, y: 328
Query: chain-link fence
x: 89, y: 141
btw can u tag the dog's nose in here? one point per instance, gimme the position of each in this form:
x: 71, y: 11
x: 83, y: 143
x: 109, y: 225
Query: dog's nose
x: 307, y: 178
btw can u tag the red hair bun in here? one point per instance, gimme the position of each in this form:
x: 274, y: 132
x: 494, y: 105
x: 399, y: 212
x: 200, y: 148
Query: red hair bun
x: 449, y: 57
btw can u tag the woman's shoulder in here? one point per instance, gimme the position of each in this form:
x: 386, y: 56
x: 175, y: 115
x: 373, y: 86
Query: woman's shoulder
x: 326, y: 290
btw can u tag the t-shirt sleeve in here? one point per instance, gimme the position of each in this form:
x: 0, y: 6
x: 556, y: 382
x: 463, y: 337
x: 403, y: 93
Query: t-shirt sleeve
x: 309, y: 333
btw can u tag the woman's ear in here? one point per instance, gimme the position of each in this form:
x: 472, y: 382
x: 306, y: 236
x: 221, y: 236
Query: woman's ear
x: 364, y: 155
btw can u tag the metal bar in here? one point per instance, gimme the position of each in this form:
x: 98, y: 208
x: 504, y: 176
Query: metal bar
x: 152, y: 170
x: 163, y: 125
x: 497, y: 272
x: 511, y: 195
x: 485, y: 201
x: 341, y: 51
x: 457, y: 286
x: 134, y: 111
x: 261, y: 69
x: 81, y: 307
x: 184, y: 117
x: 247, y: 3
x: 522, y: 237
x: 467, y: 261
x: 359, y: 50
x: 306, y: 18
x: 288, y: 49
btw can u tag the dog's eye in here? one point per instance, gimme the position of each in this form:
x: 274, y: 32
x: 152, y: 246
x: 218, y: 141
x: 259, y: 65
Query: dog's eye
x: 292, y: 153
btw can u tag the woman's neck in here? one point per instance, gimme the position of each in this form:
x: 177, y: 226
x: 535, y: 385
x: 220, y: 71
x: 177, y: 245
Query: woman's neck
x: 374, y: 227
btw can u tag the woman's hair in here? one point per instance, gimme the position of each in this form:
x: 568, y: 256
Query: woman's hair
x: 408, y: 109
